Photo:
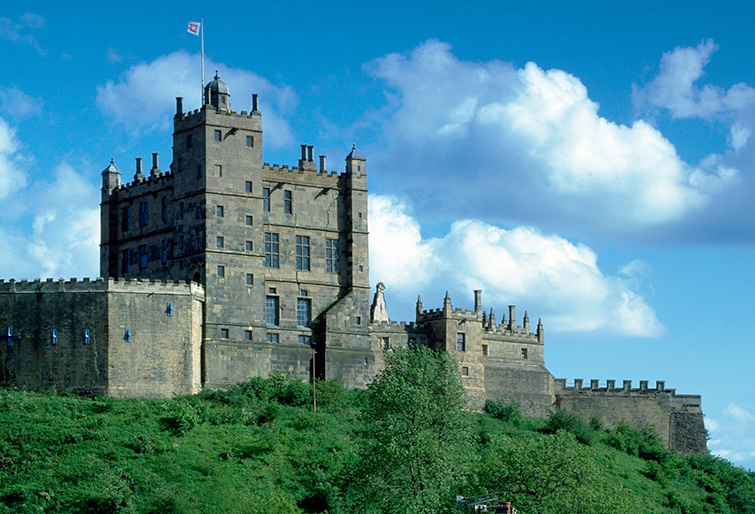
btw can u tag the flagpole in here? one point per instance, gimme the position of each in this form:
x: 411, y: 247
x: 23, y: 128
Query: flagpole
x: 201, y: 34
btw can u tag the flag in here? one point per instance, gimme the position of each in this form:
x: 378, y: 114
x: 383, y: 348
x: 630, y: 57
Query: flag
x: 194, y: 27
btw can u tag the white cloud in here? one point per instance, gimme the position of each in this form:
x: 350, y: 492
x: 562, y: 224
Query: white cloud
x: 18, y: 31
x: 732, y: 435
x: 12, y: 173
x: 16, y: 104
x: 560, y: 279
x: 144, y: 98
x: 49, y: 229
x: 675, y: 89
x: 66, y: 235
x: 530, y: 141
x: 397, y: 253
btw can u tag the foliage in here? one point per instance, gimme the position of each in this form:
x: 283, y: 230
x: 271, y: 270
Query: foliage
x: 559, y: 419
x: 551, y: 474
x: 508, y: 412
x: 416, y: 436
x: 259, y: 447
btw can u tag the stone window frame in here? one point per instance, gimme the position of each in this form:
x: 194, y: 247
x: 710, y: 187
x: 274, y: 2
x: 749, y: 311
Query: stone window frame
x: 272, y: 337
x: 303, y: 312
x: 249, y: 246
x: 218, y: 137
x: 220, y: 242
x: 220, y: 211
x: 461, y: 342
x: 303, y: 253
x: 221, y: 271
x: 225, y: 333
x: 272, y: 250
x: 465, y: 372
x: 250, y: 141
x: 331, y: 255
x: 143, y: 214
x: 250, y: 279
x: 525, y: 354
x: 249, y: 220
x: 272, y: 310
x: 266, y: 192
x: 249, y: 186
x: 143, y: 256
x: 247, y: 335
x: 125, y: 219
x: 288, y: 201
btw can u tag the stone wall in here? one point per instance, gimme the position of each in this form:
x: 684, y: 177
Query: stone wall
x: 678, y: 419
x: 123, y: 339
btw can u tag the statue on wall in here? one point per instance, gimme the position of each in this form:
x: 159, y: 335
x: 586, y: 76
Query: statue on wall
x: 378, y: 312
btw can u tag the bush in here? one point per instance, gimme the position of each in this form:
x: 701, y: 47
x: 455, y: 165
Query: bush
x: 508, y: 412
x: 574, y: 423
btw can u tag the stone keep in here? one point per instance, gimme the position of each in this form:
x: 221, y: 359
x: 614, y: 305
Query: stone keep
x: 223, y: 267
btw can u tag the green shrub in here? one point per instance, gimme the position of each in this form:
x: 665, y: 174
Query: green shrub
x: 559, y: 419
x: 508, y: 412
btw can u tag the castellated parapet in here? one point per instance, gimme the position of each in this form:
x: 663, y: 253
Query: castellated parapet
x: 221, y: 267
x: 119, y: 338
x: 678, y: 418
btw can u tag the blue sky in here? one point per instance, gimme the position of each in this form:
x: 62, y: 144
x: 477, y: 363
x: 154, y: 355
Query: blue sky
x: 591, y: 163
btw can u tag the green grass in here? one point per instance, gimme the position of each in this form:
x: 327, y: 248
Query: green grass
x: 259, y: 448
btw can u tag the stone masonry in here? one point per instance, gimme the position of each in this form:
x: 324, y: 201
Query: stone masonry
x: 222, y: 267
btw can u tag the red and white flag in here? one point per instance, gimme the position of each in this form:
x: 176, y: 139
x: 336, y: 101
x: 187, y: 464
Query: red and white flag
x: 194, y: 27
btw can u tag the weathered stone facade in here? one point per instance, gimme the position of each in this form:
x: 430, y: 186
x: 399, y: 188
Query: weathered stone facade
x: 263, y: 268
x: 119, y: 338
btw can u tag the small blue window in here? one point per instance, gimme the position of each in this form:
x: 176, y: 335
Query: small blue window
x: 169, y: 309
x: 86, y: 336
x: 127, y: 335
x: 53, y: 336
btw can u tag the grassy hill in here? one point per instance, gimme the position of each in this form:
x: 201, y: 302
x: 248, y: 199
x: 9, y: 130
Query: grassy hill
x: 259, y: 448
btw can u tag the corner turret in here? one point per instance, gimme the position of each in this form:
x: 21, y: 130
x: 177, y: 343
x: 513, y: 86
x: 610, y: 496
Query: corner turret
x: 356, y: 162
x: 111, y: 178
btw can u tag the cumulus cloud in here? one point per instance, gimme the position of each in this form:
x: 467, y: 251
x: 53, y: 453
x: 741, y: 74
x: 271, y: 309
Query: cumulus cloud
x: 732, y: 435
x: 674, y: 88
x: 44, y: 233
x: 144, y: 97
x: 12, y: 173
x: 53, y: 236
x: 65, y: 235
x: 488, y: 139
x: 559, y: 279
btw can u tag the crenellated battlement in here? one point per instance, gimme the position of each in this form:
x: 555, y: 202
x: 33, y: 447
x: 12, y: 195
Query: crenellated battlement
x: 401, y: 325
x: 146, y: 185
x: 86, y: 284
x: 686, y: 402
x: 196, y: 113
x: 295, y: 174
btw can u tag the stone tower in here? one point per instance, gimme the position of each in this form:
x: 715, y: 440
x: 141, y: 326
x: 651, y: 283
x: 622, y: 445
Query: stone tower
x: 282, y: 252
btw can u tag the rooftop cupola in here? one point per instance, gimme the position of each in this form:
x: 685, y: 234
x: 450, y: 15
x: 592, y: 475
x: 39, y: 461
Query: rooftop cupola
x: 355, y: 162
x: 216, y: 94
x: 111, y: 177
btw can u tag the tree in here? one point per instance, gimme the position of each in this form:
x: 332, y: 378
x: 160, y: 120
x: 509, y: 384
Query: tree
x: 416, y: 438
x: 551, y: 474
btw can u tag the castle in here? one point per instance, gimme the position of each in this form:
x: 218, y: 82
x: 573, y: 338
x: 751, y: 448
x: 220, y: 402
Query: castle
x: 223, y: 267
